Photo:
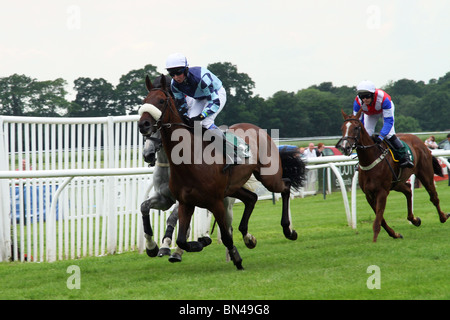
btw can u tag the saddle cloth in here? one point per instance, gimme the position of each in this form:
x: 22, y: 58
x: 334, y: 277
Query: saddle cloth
x: 242, y: 149
x: 395, y: 156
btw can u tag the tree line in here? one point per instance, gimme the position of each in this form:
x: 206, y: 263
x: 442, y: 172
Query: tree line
x: 314, y: 111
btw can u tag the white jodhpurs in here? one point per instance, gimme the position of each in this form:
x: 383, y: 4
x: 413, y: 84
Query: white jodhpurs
x: 370, y: 122
x: 196, y: 107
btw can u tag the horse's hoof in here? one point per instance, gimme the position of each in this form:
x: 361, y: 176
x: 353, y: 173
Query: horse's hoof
x: 250, y: 241
x: 293, y: 236
x: 176, y: 257
x: 239, y: 266
x: 418, y: 222
x: 290, y: 234
x: 152, y: 252
x: 444, y: 217
x: 205, y: 241
x: 163, y: 252
x: 398, y: 236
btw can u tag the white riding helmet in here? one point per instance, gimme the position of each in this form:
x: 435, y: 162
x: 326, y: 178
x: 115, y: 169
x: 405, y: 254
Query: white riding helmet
x: 176, y: 60
x: 366, y: 86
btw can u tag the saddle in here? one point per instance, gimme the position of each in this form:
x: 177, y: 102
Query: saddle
x: 241, y: 148
x: 394, y: 152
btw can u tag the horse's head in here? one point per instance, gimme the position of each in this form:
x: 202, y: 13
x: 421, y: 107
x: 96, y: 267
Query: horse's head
x: 153, y: 107
x: 152, y: 145
x: 351, y: 131
x: 151, y: 112
x: 158, y: 82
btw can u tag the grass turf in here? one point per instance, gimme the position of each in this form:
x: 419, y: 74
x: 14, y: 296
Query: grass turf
x: 328, y: 261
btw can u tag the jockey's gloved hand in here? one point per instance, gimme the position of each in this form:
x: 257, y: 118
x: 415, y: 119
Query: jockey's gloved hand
x: 183, y: 111
x: 200, y: 117
x: 376, y: 138
x: 188, y: 121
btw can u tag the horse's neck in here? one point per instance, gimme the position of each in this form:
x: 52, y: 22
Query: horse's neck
x: 170, y: 125
x: 367, y: 154
x: 365, y: 139
x: 161, y: 157
x: 162, y: 171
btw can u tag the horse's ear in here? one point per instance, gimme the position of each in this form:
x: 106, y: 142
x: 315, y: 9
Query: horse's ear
x: 344, y: 114
x: 148, y: 83
x: 163, y: 82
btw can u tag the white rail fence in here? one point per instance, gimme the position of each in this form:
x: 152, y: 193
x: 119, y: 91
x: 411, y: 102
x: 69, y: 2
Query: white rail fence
x: 72, y: 187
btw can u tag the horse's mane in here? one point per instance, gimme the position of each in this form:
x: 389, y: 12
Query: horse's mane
x: 163, y: 82
x: 157, y: 83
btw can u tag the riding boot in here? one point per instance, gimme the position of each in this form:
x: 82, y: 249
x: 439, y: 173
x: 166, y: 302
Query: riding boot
x: 401, y: 151
x: 229, y: 149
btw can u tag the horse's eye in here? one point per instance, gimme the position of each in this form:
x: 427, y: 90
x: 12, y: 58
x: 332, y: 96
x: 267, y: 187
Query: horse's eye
x: 161, y: 101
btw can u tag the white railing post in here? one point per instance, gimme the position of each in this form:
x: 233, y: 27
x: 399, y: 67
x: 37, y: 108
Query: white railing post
x: 111, y: 194
x: 354, y: 191
x: 337, y: 172
x: 332, y: 162
x: 5, y: 221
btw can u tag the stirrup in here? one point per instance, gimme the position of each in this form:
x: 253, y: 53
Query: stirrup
x: 235, y: 162
x: 406, y: 163
x: 227, y: 165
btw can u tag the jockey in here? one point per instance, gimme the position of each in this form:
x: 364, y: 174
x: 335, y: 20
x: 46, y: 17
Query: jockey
x: 376, y: 103
x: 206, y: 98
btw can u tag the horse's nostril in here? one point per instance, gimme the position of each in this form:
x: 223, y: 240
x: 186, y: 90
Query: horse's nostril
x: 144, y: 126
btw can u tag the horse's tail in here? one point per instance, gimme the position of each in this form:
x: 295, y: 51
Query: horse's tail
x: 437, y: 167
x: 293, y: 168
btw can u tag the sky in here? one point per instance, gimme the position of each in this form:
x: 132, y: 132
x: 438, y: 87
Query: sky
x: 281, y: 44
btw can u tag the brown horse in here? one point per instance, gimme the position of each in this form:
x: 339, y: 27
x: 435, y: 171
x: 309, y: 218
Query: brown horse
x: 379, y: 172
x: 196, y: 181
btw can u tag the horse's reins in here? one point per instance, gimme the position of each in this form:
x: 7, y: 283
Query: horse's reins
x: 355, y: 144
x: 161, y: 125
x: 158, y: 142
x: 163, y: 111
x: 356, y: 138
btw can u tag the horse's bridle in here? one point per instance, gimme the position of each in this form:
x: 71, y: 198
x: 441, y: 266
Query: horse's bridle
x: 357, y: 145
x: 354, y: 138
x: 159, y: 124
x: 157, y: 142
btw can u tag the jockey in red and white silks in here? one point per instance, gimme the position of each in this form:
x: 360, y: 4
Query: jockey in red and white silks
x: 376, y: 104
x: 380, y: 106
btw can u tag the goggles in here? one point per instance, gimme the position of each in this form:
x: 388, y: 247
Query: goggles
x: 176, y: 71
x: 365, y: 95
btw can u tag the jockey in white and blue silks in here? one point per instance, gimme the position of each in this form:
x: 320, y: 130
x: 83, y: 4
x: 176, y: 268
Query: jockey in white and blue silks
x: 200, y: 97
x: 208, y: 95
x: 376, y: 104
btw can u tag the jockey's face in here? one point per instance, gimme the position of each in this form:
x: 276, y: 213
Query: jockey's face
x: 178, y: 74
x: 366, y: 98
x: 179, y: 78
x: 367, y: 101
